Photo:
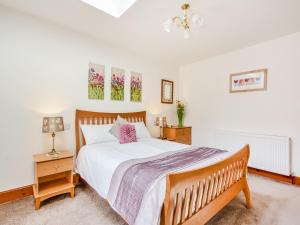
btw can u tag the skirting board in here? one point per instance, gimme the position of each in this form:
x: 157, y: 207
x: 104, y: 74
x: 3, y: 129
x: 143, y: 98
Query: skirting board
x: 275, y: 176
x: 296, y: 180
x: 15, y: 194
x: 22, y: 192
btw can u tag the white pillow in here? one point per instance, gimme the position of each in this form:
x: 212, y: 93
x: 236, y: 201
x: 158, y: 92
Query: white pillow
x: 141, y: 130
x: 97, y: 133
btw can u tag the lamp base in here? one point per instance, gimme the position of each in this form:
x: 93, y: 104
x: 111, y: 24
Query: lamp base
x: 161, y: 134
x: 53, y: 153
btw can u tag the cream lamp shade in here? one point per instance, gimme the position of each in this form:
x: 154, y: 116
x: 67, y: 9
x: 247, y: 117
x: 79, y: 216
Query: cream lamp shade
x: 53, y: 124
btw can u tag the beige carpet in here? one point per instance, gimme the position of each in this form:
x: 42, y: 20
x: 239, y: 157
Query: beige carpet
x: 87, y: 208
x: 236, y: 212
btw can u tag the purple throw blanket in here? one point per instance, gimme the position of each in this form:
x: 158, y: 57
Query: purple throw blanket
x: 133, y: 178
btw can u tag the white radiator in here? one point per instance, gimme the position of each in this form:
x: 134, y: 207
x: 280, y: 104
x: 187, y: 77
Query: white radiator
x: 267, y: 152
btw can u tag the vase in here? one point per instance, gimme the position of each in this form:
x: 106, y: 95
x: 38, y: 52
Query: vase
x: 180, y: 117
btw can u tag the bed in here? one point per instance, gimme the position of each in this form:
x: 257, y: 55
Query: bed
x: 189, y: 196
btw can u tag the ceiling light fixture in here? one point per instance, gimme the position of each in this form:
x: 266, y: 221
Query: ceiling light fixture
x: 186, y: 21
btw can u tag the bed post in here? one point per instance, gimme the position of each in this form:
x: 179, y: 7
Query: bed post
x: 77, y: 130
x: 167, y: 206
x: 246, y: 188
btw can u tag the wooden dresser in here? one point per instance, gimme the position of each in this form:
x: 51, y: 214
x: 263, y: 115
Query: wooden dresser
x: 53, y: 176
x: 181, y: 135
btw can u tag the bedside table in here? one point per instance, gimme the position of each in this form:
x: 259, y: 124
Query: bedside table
x: 178, y: 134
x: 53, y: 176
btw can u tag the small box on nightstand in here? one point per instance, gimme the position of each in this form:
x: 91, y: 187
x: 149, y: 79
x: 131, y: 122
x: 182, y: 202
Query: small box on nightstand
x: 53, y: 176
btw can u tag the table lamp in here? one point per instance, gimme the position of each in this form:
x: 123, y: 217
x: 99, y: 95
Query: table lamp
x: 52, y: 125
x: 161, y: 122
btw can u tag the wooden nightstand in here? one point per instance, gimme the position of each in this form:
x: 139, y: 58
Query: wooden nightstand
x: 53, y: 176
x: 181, y: 135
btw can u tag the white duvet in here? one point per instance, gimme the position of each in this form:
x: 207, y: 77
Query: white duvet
x: 96, y: 164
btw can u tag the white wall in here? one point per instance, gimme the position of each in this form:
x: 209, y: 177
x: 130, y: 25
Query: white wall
x: 43, y: 71
x: 204, y: 86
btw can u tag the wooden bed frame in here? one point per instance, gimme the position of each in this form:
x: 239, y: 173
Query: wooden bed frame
x: 192, y: 197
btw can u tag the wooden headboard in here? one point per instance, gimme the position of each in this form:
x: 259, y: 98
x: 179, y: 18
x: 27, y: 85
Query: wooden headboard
x: 87, y: 117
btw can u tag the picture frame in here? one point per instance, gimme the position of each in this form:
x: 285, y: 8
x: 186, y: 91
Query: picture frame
x: 254, y: 80
x: 96, y: 78
x: 117, y: 84
x: 136, y: 81
x: 167, y: 91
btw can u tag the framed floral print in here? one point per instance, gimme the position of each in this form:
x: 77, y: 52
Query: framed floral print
x: 136, y: 87
x: 96, y: 81
x: 167, y: 91
x: 255, y: 80
x: 117, y: 84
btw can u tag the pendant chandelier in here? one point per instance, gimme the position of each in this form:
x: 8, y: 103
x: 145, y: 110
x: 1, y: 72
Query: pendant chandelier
x: 186, y: 21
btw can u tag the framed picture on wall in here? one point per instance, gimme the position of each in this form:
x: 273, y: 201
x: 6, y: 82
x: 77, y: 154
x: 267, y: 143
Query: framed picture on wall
x: 96, y: 81
x: 117, y: 84
x: 167, y: 91
x: 136, y: 87
x: 255, y: 80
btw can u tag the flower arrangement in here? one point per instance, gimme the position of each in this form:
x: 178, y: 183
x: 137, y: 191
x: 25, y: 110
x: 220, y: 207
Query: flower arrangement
x: 117, y: 87
x: 136, y: 88
x: 180, y: 111
x: 96, y: 84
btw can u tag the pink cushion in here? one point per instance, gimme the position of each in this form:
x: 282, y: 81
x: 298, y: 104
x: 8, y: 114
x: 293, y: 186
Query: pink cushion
x: 127, y: 133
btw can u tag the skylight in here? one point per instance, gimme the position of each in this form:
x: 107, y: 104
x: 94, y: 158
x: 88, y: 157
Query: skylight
x: 113, y: 7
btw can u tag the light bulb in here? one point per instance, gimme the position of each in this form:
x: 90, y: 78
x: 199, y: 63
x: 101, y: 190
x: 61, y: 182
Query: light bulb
x: 186, y: 34
x: 167, y: 25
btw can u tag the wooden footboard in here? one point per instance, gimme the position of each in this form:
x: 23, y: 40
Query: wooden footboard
x: 194, y: 197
